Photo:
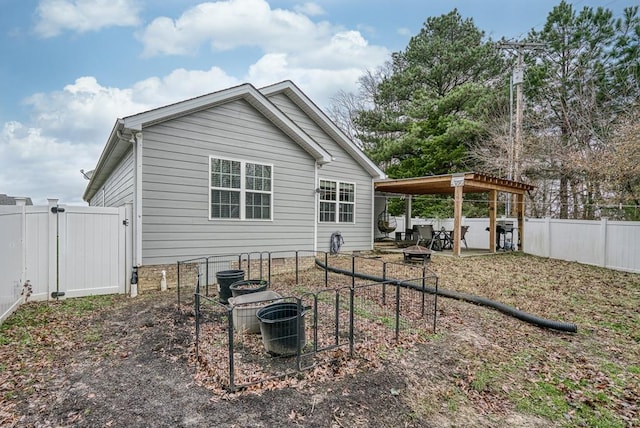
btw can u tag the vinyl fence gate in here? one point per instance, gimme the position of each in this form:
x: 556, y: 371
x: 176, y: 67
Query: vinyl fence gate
x: 78, y: 251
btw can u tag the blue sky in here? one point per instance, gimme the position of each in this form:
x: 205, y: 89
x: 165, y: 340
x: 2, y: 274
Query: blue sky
x: 70, y: 68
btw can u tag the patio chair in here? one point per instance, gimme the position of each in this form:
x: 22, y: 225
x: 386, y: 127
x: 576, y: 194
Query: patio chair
x: 463, y: 233
x: 449, y: 237
x: 425, y: 235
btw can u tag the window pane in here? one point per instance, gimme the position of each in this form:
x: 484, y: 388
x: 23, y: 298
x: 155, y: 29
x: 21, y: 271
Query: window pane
x: 225, y: 204
x: 258, y: 206
x: 346, y: 213
x: 327, y: 212
x: 347, y: 192
x: 225, y: 173
x: 258, y: 177
x: 327, y: 190
x: 235, y: 168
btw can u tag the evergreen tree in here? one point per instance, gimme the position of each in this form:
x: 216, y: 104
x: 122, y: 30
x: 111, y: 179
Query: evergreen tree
x: 587, y: 76
x: 428, y: 110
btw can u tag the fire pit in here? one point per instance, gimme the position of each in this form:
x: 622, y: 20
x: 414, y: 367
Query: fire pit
x: 417, y: 253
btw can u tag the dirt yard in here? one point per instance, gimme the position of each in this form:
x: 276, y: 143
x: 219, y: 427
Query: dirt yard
x: 116, y: 361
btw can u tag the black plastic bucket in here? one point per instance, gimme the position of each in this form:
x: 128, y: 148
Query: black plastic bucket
x: 282, y: 327
x: 225, y: 279
x: 247, y: 286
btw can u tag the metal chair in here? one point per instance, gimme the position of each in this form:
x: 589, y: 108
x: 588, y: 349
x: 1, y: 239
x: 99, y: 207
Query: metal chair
x: 463, y: 233
x: 425, y: 234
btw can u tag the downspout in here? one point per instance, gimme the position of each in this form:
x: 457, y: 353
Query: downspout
x: 136, y: 140
x: 316, y: 202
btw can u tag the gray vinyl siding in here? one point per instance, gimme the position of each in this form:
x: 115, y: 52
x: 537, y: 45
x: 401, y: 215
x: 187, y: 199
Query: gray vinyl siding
x: 357, y: 236
x: 118, y: 189
x: 175, y: 186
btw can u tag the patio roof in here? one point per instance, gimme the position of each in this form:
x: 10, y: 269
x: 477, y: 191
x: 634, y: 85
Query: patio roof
x: 472, y: 182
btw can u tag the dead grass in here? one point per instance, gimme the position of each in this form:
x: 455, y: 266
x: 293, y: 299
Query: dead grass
x: 482, y: 368
x: 494, y: 366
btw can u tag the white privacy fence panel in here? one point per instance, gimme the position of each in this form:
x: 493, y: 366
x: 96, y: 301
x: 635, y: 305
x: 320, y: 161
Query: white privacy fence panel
x: 575, y: 240
x: 11, y: 254
x: 38, y: 255
x: 622, y: 245
x: 79, y: 252
x: 611, y: 244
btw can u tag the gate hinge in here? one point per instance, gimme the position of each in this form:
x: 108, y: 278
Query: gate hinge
x: 125, y: 222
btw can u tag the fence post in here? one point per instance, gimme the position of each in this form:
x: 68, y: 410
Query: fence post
x: 178, y: 279
x: 604, y: 223
x: 397, y: 311
x: 22, y: 203
x: 353, y: 271
x: 231, y: 350
x: 384, y: 284
x: 206, y: 272
x: 547, y: 223
x: 326, y: 269
x: 51, y: 259
x: 352, y: 292
x: 196, y: 304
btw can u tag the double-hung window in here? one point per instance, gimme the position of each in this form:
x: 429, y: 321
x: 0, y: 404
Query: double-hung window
x: 337, y: 202
x: 240, y: 189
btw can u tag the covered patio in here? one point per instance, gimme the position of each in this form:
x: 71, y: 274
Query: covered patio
x: 458, y: 185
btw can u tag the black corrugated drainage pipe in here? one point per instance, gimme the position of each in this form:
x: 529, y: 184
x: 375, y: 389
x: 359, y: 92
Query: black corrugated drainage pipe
x: 506, y: 309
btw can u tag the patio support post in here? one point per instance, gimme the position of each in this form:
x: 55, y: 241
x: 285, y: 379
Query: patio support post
x: 457, y: 219
x: 520, y: 213
x: 493, y: 203
x: 407, y: 213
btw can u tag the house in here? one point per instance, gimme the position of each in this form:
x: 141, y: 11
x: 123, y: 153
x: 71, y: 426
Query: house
x: 11, y: 200
x: 238, y: 170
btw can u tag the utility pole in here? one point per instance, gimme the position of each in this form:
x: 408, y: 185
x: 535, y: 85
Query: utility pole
x: 517, y: 78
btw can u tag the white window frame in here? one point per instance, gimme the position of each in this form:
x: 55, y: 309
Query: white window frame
x: 242, y: 190
x: 337, y: 203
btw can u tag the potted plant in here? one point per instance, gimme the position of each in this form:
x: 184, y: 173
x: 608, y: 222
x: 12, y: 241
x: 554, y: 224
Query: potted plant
x: 247, y: 286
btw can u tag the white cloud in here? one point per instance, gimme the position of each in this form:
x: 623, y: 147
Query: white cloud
x: 82, y: 110
x: 318, y: 83
x: 86, y: 111
x: 55, y: 16
x: 229, y: 24
x: 344, y: 49
x: 181, y: 84
x: 310, y: 9
x: 41, y: 167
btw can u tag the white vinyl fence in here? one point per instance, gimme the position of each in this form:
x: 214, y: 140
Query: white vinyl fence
x: 610, y: 244
x: 606, y: 243
x: 77, y: 251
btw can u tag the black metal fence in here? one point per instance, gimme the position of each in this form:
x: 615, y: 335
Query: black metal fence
x: 319, y: 307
